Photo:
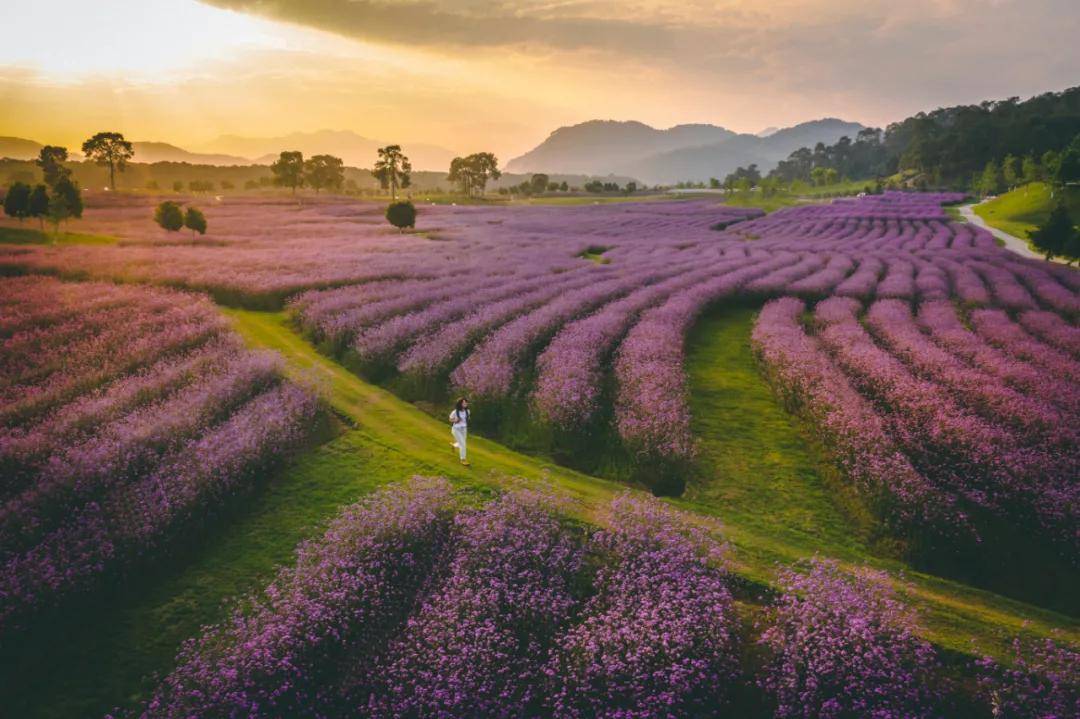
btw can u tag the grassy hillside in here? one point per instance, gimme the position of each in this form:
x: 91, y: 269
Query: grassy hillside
x: 1020, y: 211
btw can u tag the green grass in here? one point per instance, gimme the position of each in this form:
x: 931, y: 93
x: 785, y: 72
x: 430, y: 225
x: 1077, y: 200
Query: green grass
x: 756, y: 460
x: 31, y: 236
x: 1022, y: 210
x: 760, y: 475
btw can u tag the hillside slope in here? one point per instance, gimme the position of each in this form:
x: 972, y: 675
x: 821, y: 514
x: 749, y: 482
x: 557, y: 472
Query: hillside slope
x: 598, y: 146
x: 683, y: 152
x: 717, y: 160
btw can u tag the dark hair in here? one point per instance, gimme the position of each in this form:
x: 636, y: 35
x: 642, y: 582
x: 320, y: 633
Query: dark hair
x: 457, y: 405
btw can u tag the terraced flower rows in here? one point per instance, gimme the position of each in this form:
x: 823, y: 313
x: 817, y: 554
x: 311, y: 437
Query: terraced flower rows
x: 128, y: 416
x: 410, y: 606
x: 968, y: 414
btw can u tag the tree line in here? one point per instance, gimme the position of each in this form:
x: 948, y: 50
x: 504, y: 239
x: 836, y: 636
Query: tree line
x: 982, y: 147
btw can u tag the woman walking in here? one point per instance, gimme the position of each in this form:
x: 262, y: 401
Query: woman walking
x: 459, y: 427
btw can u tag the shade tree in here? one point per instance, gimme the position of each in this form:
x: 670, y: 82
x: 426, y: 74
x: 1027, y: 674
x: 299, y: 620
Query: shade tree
x: 392, y: 169
x: 324, y: 172
x: 288, y: 170
x: 111, y: 150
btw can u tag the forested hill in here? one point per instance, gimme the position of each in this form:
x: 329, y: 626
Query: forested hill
x: 949, y: 146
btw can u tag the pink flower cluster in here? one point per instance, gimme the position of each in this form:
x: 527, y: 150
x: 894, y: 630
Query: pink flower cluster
x: 843, y: 646
x: 402, y: 609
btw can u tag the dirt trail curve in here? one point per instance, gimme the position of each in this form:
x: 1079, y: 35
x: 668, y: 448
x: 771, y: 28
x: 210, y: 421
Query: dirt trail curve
x: 1012, y: 242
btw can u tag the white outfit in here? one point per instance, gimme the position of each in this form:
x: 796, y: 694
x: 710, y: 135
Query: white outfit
x: 460, y: 430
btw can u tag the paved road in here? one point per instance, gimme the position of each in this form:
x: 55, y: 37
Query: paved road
x: 1012, y: 242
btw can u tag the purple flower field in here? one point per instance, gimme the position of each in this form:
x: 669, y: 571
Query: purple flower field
x: 410, y: 606
x: 939, y: 373
x: 107, y: 457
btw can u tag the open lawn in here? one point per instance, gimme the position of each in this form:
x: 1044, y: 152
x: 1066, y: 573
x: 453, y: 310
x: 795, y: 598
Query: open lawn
x: 1022, y: 210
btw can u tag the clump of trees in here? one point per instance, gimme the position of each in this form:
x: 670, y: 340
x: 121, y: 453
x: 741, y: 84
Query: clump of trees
x: 109, y: 149
x: 57, y: 199
x: 1058, y: 236
x: 172, y: 218
x: 989, y: 147
x: 401, y: 214
x: 392, y: 169
x: 320, y: 172
x: 471, y: 174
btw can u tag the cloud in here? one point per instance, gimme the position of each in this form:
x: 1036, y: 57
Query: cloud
x: 884, y: 53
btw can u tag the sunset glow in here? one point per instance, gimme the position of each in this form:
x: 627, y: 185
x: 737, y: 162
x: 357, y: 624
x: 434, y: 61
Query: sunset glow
x: 471, y: 76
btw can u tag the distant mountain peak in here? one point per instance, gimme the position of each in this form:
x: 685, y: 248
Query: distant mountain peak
x: 683, y: 152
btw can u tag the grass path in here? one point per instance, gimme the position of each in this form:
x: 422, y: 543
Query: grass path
x: 86, y: 664
x: 757, y: 461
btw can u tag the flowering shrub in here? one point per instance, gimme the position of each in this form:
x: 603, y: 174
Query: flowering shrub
x: 658, y: 636
x: 477, y: 645
x: 843, y: 647
x: 1042, y: 683
x: 348, y: 594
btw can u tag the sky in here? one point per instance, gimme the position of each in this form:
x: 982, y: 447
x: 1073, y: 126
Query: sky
x: 475, y: 75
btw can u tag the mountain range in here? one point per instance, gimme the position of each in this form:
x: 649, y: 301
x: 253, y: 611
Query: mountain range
x: 683, y: 152
x: 594, y: 148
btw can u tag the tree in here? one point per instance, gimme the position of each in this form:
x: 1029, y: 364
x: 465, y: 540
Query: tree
x: 169, y: 216
x: 1052, y: 237
x: 324, y: 171
x: 538, y: 183
x: 564, y: 187
x: 1031, y: 170
x: 831, y: 176
x: 401, y: 214
x: 631, y: 187
x: 1068, y: 169
x: 1012, y: 171
x: 1071, y: 249
x: 178, y: 186
x: 39, y: 204
x: 288, y: 170
x: 392, y: 169
x: 471, y: 174
x: 65, y: 202
x: 991, y: 181
x: 195, y: 221
x: 17, y: 201
x: 111, y: 149
x: 50, y: 160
